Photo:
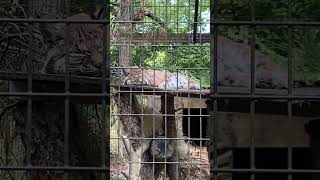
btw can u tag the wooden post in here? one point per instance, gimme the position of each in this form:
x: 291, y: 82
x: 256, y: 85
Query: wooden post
x: 167, y: 108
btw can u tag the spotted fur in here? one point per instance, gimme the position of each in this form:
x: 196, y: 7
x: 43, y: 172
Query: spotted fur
x: 160, y: 79
x: 84, y: 46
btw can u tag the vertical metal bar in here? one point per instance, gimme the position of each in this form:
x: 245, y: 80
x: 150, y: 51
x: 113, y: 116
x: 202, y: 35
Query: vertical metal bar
x: 66, y: 135
x: 142, y: 96
x: 252, y: 90
x: 290, y: 50
x: 189, y: 134
x: 166, y: 129
x: 253, y: 45
x: 153, y: 133
x: 195, y: 21
x: 200, y: 124
x: 252, y: 141
x: 29, y: 104
x: 130, y: 119
x: 177, y: 15
x: 66, y: 121
x: 215, y: 138
x: 213, y: 83
x: 142, y: 89
x: 289, y: 84
x: 66, y: 100
x: 213, y: 47
x: 189, y: 101
x: 290, y: 148
x: 105, y: 88
x: 153, y: 111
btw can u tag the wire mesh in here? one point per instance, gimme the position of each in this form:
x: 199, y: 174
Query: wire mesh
x: 154, y: 90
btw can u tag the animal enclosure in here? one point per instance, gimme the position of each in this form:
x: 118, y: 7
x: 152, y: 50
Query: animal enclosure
x: 159, y: 89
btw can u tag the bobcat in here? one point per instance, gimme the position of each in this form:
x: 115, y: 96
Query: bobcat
x: 234, y: 67
x: 160, y: 79
x: 85, y: 46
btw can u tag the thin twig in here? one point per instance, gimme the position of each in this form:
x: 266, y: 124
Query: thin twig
x: 6, y: 49
x: 98, y: 117
x: 5, y: 109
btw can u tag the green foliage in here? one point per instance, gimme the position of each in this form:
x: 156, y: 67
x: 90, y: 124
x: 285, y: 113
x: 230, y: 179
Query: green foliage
x: 273, y: 41
x: 307, y: 55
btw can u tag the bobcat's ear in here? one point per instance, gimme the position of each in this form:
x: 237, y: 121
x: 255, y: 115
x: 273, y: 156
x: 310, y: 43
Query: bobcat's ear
x: 99, y: 13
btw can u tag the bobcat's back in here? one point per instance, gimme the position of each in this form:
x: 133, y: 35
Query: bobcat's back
x: 84, y: 47
x: 160, y: 79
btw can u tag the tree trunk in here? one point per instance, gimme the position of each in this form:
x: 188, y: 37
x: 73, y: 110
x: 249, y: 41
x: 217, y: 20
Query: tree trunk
x: 219, y: 130
x: 137, y: 149
x: 47, y: 139
x: 167, y: 108
x: 45, y: 147
x: 125, y: 15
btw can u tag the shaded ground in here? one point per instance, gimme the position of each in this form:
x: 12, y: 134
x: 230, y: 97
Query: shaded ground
x: 195, y: 168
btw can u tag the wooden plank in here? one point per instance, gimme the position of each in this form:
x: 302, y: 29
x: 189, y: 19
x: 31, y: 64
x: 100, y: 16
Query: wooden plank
x: 271, y: 131
x: 194, y: 102
x: 308, y: 109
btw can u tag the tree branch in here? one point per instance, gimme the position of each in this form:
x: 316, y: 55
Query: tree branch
x: 135, y: 156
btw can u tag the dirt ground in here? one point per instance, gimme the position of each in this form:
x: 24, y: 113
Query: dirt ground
x: 195, y: 168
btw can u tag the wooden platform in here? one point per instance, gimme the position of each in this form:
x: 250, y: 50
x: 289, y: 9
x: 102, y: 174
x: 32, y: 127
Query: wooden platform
x: 44, y: 83
x: 273, y: 128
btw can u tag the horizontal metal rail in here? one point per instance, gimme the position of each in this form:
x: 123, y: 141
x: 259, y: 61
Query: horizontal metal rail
x: 63, y: 94
x: 52, y: 168
x: 248, y: 23
x: 260, y: 171
x: 161, y: 138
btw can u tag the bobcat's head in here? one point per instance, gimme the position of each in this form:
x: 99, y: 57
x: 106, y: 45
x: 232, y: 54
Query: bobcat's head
x: 84, y: 45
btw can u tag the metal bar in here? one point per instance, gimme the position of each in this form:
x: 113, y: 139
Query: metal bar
x: 213, y: 83
x: 29, y: 103
x: 153, y: 111
x: 290, y: 84
x: 252, y: 88
x: 177, y: 44
x: 52, y: 168
x: 66, y: 135
x: 189, y: 131
x: 195, y: 21
x: 168, y: 115
x: 164, y: 103
x: 105, y: 87
x: 218, y: 96
x: 165, y: 138
x: 252, y: 138
x: 54, y: 94
x: 66, y: 100
x: 215, y: 22
x: 167, y: 68
x: 270, y: 171
x: 70, y: 168
x: 213, y: 48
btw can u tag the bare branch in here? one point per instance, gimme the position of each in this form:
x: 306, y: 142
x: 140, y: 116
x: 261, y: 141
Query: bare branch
x: 135, y: 156
x: 5, y: 109
x: 127, y: 144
